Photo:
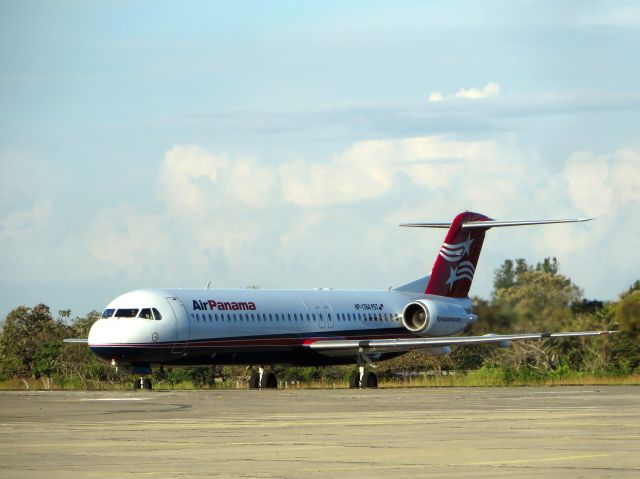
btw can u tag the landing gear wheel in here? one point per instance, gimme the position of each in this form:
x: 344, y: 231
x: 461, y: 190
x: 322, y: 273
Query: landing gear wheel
x: 146, y: 384
x: 254, y: 380
x: 354, y: 380
x: 269, y: 381
x: 369, y: 380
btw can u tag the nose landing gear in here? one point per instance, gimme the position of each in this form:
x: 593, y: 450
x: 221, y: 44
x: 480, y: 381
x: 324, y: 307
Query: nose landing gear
x: 142, y: 382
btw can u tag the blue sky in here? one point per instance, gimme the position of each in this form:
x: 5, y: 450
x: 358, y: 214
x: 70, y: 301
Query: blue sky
x: 278, y: 144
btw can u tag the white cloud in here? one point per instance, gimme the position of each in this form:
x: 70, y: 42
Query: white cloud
x: 182, y: 168
x: 602, y: 184
x: 21, y: 224
x: 436, y: 96
x: 299, y: 223
x: 191, y: 177
x: 367, y: 169
x: 491, y: 89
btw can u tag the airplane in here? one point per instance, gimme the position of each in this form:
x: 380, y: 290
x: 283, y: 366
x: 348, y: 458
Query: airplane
x: 178, y: 327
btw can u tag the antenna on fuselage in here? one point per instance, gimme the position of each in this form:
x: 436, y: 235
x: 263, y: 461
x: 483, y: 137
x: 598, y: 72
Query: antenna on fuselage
x: 208, y: 284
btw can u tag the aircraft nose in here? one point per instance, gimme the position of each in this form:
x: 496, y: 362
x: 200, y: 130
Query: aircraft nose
x: 99, y: 333
x: 106, y: 332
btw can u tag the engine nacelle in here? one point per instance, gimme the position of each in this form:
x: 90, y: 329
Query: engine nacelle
x: 427, y: 317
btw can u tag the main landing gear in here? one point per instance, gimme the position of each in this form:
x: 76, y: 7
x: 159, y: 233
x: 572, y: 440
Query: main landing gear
x: 142, y: 383
x: 362, y: 379
x: 262, y: 379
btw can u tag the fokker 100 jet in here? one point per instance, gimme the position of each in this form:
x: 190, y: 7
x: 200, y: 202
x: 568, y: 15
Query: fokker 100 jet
x: 154, y: 327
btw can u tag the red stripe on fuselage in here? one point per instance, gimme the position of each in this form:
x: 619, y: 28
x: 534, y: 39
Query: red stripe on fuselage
x: 255, y: 342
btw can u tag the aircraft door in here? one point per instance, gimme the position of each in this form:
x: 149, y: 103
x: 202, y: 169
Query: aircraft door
x: 182, y: 325
x: 320, y: 315
x: 329, y: 314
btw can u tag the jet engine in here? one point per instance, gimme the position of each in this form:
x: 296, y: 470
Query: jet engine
x: 428, y: 317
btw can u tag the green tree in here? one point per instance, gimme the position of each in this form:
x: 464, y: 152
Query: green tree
x: 541, y: 298
x: 529, y: 298
x: 78, y: 363
x: 627, y: 311
x: 27, y: 332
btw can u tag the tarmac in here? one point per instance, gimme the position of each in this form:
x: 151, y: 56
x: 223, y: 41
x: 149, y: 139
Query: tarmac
x: 587, y: 432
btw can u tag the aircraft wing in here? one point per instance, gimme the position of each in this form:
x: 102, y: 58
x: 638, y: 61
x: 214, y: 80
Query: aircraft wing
x: 343, y: 347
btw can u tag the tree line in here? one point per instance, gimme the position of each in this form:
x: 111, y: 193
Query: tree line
x: 525, y: 298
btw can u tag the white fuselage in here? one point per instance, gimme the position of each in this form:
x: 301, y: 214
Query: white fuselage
x: 221, y: 326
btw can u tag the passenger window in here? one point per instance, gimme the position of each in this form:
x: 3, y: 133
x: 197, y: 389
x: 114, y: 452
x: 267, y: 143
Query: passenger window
x: 107, y: 313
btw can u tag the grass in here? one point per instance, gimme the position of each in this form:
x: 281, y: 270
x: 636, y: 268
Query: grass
x: 500, y: 376
x: 484, y: 377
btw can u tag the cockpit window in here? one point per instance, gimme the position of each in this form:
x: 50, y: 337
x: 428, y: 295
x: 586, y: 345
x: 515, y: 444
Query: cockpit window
x: 145, y: 313
x: 127, y: 313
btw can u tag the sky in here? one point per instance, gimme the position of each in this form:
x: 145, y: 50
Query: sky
x: 279, y: 144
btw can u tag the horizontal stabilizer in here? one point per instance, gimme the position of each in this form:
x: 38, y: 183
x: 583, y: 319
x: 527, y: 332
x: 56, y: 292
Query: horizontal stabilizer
x: 494, y: 224
x: 75, y: 340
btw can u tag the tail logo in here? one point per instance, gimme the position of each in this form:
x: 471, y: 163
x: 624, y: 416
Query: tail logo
x: 454, y: 253
x: 464, y: 270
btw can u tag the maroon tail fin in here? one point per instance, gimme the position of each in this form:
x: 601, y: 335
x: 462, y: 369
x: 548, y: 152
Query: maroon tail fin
x: 455, y: 265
